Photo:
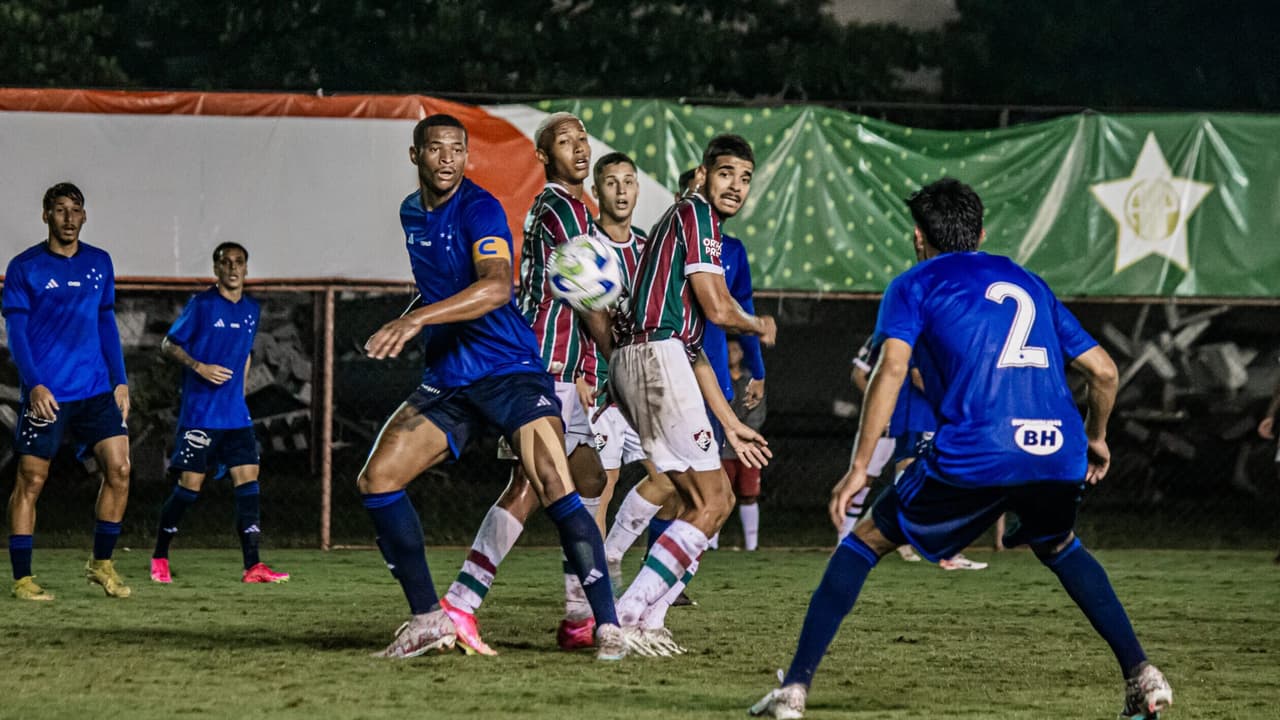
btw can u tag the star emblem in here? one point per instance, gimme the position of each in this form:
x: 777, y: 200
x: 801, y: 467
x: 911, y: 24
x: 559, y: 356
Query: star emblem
x: 1151, y: 208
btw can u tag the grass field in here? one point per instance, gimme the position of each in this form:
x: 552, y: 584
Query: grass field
x: 1002, y: 643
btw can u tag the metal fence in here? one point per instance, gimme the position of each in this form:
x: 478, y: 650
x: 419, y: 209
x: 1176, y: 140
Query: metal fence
x: 1189, y: 469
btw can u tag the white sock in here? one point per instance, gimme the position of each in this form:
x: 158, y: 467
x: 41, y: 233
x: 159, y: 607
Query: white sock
x: 495, y: 538
x: 854, y: 512
x: 669, y: 559
x: 632, y: 519
x: 656, y: 616
x: 750, y: 517
x: 576, y: 607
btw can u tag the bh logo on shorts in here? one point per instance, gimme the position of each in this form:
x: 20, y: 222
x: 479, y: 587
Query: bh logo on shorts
x: 703, y: 439
x: 1038, y: 437
x: 196, y: 438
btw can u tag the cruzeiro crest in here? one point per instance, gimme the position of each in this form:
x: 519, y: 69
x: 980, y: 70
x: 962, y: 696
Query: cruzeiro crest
x: 1151, y: 208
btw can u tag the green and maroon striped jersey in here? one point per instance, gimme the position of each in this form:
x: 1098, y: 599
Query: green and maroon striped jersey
x: 685, y: 240
x: 628, y: 262
x: 555, y: 218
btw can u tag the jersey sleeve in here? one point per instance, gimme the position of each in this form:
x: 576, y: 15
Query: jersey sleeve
x: 108, y: 331
x: 1075, y: 340
x: 740, y: 287
x: 17, y: 294
x: 485, y: 231
x: 700, y: 235
x: 184, y: 327
x: 899, y: 316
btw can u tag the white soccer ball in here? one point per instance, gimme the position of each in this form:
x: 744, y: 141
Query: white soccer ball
x: 585, y: 274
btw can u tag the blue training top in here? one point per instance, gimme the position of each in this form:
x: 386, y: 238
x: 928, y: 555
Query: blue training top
x: 61, y: 320
x: 215, y: 331
x: 992, y: 342
x: 737, y: 275
x: 912, y: 413
x: 444, y: 245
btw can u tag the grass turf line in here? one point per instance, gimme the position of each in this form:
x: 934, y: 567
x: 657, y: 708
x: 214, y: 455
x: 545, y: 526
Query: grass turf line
x: 1000, y: 643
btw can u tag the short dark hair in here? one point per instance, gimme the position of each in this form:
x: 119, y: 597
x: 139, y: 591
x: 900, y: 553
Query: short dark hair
x: 62, y: 189
x: 225, y: 246
x: 437, y: 120
x: 949, y: 215
x: 612, y: 158
x: 727, y: 144
x: 682, y: 183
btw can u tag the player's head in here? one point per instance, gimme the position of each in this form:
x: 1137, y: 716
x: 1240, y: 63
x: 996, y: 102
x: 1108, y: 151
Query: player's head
x: 687, y: 182
x: 440, y: 153
x: 63, y: 212
x: 562, y: 148
x: 735, y: 353
x: 727, y: 166
x: 948, y: 216
x: 615, y: 186
x: 230, y: 265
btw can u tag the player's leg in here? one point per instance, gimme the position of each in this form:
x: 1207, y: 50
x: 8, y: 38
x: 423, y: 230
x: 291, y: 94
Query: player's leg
x: 577, y: 629
x: 247, y: 490
x: 864, y: 497
x: 637, y: 511
x: 99, y: 424
x: 32, y: 473
x: 409, y: 444
x: 190, y: 462
x: 746, y: 487
x: 1047, y: 515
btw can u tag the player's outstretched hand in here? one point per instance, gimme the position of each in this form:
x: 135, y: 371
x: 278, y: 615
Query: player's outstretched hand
x: 1266, y: 429
x: 391, y: 338
x: 121, y: 394
x: 842, y: 495
x: 215, y: 374
x: 754, y: 394
x: 1099, y: 461
x: 43, y: 404
x: 768, y: 330
x: 749, y: 445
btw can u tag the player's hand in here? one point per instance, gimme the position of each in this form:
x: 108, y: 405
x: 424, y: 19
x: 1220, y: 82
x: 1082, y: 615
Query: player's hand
x: 1266, y: 429
x: 768, y: 330
x: 121, y: 394
x: 842, y: 495
x: 42, y: 403
x: 215, y: 374
x: 391, y: 338
x: 586, y: 394
x: 1099, y: 461
x: 754, y: 394
x: 749, y: 445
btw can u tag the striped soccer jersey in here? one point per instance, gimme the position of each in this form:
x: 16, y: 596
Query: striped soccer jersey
x: 566, y: 347
x: 685, y: 240
x: 629, y: 262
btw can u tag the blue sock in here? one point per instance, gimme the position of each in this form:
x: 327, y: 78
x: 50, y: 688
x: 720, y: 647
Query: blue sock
x: 656, y: 528
x: 170, y: 515
x: 105, y: 534
x: 20, y: 555
x: 248, y: 519
x: 584, y: 553
x: 400, y: 539
x: 834, y: 598
x: 1087, y: 584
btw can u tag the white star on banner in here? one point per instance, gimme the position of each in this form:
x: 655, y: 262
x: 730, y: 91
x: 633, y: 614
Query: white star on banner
x: 1151, y: 208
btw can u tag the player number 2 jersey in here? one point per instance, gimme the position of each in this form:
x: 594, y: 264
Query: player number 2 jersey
x: 992, y: 342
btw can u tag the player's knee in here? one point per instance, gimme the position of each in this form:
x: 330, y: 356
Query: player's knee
x: 117, y: 473
x: 1049, y: 551
x: 377, y: 478
x: 29, y: 483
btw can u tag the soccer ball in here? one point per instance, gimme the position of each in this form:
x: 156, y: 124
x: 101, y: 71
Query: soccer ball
x: 585, y: 274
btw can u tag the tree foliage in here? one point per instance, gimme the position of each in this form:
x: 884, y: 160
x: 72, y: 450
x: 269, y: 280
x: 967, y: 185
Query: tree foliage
x: 57, y: 42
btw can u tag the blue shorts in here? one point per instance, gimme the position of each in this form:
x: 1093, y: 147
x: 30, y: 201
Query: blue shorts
x: 940, y: 520
x: 90, y: 420
x: 199, y: 450
x: 504, y: 404
x: 910, y: 444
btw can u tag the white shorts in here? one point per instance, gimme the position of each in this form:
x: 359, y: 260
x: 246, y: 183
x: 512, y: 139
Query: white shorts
x: 658, y: 394
x: 616, y: 441
x: 577, y: 426
x: 883, y: 453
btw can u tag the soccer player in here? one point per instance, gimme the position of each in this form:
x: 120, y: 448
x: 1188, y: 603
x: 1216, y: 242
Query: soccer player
x: 218, y: 327
x: 483, y: 369
x: 992, y: 343
x: 59, y: 306
x: 680, y: 286
x: 744, y: 478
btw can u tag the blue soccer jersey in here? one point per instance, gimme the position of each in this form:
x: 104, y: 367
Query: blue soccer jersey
x: 992, y: 342
x: 444, y: 245
x: 737, y: 276
x: 215, y: 331
x: 61, y: 321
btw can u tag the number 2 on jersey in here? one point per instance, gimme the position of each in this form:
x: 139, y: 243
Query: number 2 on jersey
x: 1016, y: 353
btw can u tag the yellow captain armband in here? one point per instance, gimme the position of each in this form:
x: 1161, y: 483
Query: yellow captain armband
x: 490, y: 248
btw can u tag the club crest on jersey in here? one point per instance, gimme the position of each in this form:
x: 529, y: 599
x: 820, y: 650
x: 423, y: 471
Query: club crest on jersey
x: 1038, y: 437
x: 703, y: 439
x: 196, y: 438
x: 600, y: 441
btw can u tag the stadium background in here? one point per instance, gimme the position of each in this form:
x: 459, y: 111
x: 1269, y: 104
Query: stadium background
x: 826, y: 230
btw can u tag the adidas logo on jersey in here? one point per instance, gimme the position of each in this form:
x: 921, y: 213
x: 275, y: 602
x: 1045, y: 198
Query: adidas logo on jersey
x: 543, y: 401
x: 220, y: 323
x: 51, y: 285
x: 592, y: 578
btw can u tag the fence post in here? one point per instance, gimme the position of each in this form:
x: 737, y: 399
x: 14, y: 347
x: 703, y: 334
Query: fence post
x: 326, y: 423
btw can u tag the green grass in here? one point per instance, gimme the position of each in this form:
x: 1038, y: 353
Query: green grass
x: 1002, y: 643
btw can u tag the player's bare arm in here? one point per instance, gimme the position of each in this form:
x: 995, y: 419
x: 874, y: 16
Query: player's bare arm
x: 215, y: 374
x: 750, y: 447
x: 882, y: 394
x: 1104, y: 381
x: 720, y: 308
x: 599, y: 324
x: 490, y: 291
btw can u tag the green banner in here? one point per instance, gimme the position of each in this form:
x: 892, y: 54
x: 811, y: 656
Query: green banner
x: 1099, y: 205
